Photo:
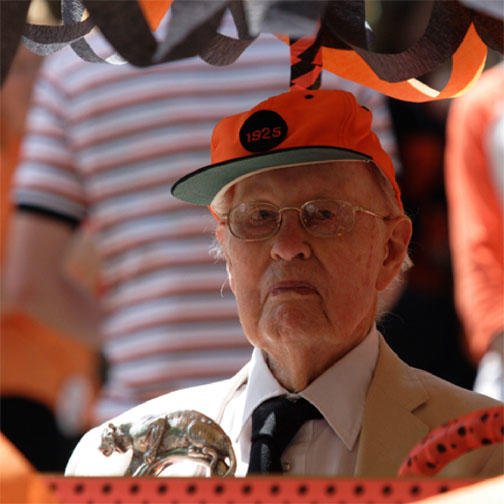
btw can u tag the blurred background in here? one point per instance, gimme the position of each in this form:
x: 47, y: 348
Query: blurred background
x: 67, y: 363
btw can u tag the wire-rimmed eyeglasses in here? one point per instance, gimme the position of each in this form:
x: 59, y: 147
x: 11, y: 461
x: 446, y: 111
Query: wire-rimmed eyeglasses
x: 324, y: 218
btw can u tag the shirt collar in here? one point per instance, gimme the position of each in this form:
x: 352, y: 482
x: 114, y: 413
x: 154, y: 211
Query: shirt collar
x: 339, y: 393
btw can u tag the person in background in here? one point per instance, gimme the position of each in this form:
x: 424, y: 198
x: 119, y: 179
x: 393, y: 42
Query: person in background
x: 474, y: 180
x: 311, y: 224
x: 48, y: 380
x: 104, y: 144
x: 426, y: 309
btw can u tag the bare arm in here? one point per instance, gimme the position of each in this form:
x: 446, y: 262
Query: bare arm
x: 35, y: 281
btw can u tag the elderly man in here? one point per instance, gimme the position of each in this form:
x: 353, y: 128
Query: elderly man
x: 311, y: 225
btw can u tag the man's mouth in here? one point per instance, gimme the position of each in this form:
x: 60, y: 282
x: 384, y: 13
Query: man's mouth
x: 293, y: 287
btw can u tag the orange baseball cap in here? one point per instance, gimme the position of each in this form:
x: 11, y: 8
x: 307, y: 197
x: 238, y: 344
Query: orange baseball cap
x: 294, y: 128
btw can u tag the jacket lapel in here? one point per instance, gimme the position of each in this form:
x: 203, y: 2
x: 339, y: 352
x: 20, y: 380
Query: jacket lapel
x: 390, y: 429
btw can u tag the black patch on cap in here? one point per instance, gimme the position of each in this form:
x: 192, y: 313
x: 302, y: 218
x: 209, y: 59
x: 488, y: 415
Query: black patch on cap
x: 262, y: 131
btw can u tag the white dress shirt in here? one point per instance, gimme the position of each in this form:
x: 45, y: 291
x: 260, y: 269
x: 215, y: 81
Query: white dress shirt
x: 324, y: 447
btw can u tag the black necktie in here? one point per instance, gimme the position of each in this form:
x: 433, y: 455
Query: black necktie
x: 274, y: 424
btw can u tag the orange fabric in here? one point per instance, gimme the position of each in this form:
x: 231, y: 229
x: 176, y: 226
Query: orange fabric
x: 310, y: 122
x: 154, y: 11
x: 19, y: 482
x: 36, y: 360
x: 475, y: 212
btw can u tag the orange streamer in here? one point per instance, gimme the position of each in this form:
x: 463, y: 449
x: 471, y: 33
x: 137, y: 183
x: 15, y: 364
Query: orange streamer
x: 468, y: 62
x: 154, y: 11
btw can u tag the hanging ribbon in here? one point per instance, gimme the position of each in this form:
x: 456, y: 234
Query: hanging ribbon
x: 306, y: 62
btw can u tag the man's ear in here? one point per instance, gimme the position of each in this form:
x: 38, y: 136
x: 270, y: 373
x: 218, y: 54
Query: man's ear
x: 396, y: 247
x: 222, y: 237
x: 230, y: 276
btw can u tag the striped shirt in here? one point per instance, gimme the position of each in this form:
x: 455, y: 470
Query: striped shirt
x: 105, y: 143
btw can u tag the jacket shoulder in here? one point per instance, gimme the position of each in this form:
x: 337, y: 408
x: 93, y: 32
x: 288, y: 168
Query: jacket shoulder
x: 452, y: 399
x: 432, y: 399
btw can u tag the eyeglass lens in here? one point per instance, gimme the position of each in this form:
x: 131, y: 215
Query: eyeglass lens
x: 323, y: 218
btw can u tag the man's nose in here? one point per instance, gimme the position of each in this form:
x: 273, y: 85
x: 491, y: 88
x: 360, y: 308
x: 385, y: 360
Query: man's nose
x: 291, y: 240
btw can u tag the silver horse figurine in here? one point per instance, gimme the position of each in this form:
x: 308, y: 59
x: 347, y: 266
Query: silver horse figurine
x: 158, y: 442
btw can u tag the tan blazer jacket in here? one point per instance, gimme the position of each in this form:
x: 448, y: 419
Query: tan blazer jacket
x: 403, y: 404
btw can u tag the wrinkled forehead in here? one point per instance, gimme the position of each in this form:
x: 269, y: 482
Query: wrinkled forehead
x: 351, y: 180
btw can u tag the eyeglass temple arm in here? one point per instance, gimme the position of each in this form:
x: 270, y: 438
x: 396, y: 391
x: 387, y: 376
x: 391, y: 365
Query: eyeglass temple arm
x: 369, y: 212
x: 220, y: 219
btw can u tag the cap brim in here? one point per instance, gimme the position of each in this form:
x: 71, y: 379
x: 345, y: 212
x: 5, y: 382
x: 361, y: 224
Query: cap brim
x: 202, y: 186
